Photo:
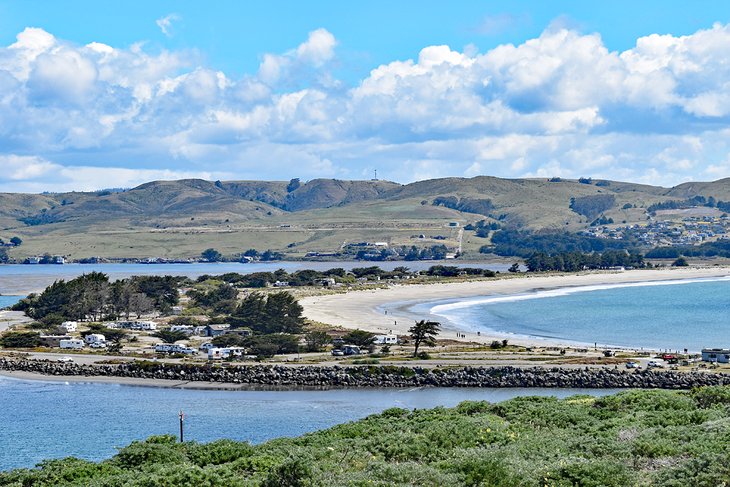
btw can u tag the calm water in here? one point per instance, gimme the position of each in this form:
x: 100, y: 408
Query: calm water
x: 53, y: 419
x: 691, y: 315
x: 19, y: 279
x: 8, y: 301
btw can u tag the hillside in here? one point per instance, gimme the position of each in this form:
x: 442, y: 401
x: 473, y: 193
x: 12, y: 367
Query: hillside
x: 635, y: 438
x: 178, y: 219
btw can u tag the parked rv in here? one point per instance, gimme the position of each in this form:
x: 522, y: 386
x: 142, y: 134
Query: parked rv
x: 72, y: 344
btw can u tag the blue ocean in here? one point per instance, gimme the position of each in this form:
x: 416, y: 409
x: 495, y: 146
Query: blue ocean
x: 670, y: 315
x: 8, y: 301
x: 44, y: 419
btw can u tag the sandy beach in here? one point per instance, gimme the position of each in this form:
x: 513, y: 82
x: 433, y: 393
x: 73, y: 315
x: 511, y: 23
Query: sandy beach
x: 9, y: 319
x: 365, y: 310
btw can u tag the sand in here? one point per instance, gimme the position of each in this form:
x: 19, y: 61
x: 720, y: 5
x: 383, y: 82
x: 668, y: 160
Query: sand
x: 8, y: 319
x: 133, y: 381
x: 365, y: 310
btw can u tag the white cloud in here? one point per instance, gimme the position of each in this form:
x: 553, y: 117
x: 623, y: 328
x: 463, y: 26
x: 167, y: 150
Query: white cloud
x: 314, y: 53
x: 318, y: 48
x: 560, y: 104
x: 31, y: 173
x: 165, y: 23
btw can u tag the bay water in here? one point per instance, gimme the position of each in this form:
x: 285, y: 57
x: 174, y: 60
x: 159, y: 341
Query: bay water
x: 45, y: 419
x: 669, y: 315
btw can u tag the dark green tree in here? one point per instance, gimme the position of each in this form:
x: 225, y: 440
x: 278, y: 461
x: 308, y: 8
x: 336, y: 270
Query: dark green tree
x: 317, y: 340
x: 169, y: 336
x: 361, y: 338
x: 424, y: 333
x: 211, y: 255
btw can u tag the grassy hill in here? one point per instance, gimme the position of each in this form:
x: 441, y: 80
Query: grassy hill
x: 635, y: 438
x: 182, y: 218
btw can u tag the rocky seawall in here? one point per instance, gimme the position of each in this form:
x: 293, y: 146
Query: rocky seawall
x: 377, y: 375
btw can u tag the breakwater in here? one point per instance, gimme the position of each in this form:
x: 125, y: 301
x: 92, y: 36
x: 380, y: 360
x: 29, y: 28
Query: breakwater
x: 378, y: 375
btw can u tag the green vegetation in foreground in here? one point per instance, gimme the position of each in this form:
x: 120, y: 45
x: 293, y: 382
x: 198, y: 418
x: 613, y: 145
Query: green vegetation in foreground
x: 656, y: 437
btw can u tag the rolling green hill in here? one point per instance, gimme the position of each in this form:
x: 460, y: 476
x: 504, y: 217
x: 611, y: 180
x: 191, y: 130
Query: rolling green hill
x: 181, y: 218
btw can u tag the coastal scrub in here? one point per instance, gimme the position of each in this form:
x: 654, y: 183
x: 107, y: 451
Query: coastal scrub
x: 639, y: 437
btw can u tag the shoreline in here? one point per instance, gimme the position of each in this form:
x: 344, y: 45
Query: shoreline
x: 385, y: 311
x: 147, y: 382
x: 247, y: 377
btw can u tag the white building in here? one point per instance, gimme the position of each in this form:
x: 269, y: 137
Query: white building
x: 72, y: 344
x: 69, y: 326
x: 718, y: 355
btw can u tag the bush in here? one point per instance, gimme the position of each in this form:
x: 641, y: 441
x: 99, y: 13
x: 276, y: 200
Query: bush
x: 292, y: 473
x: 20, y: 339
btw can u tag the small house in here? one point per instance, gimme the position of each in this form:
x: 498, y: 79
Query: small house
x: 717, y: 355
x: 216, y: 330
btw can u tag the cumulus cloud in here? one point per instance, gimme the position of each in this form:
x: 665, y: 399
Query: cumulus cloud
x: 36, y: 174
x: 314, y: 53
x: 561, y: 104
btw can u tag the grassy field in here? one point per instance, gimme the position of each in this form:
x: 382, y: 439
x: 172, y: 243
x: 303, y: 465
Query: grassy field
x: 635, y: 438
x: 179, y: 219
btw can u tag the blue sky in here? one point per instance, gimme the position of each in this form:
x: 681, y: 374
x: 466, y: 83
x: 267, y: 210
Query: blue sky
x: 109, y: 94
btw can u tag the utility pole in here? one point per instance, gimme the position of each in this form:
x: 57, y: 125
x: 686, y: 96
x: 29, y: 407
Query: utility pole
x: 182, y: 419
x: 376, y: 175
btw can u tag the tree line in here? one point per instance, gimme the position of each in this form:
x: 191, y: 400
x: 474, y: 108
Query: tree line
x: 522, y: 243
x: 577, y: 261
x: 92, y: 297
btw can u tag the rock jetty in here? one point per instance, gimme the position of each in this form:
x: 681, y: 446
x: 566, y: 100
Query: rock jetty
x: 377, y: 375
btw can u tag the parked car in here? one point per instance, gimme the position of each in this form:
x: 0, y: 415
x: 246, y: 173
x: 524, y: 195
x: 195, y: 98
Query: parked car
x: 337, y: 352
x: 65, y: 360
x: 632, y: 365
x: 654, y: 364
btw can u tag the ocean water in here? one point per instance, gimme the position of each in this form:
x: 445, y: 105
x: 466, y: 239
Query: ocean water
x: 44, y: 419
x: 8, y: 301
x: 670, y: 315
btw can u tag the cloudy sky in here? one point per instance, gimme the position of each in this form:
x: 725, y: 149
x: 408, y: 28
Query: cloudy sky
x: 112, y: 94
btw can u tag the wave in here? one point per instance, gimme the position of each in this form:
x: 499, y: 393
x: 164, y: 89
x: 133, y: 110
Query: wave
x: 440, y: 309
